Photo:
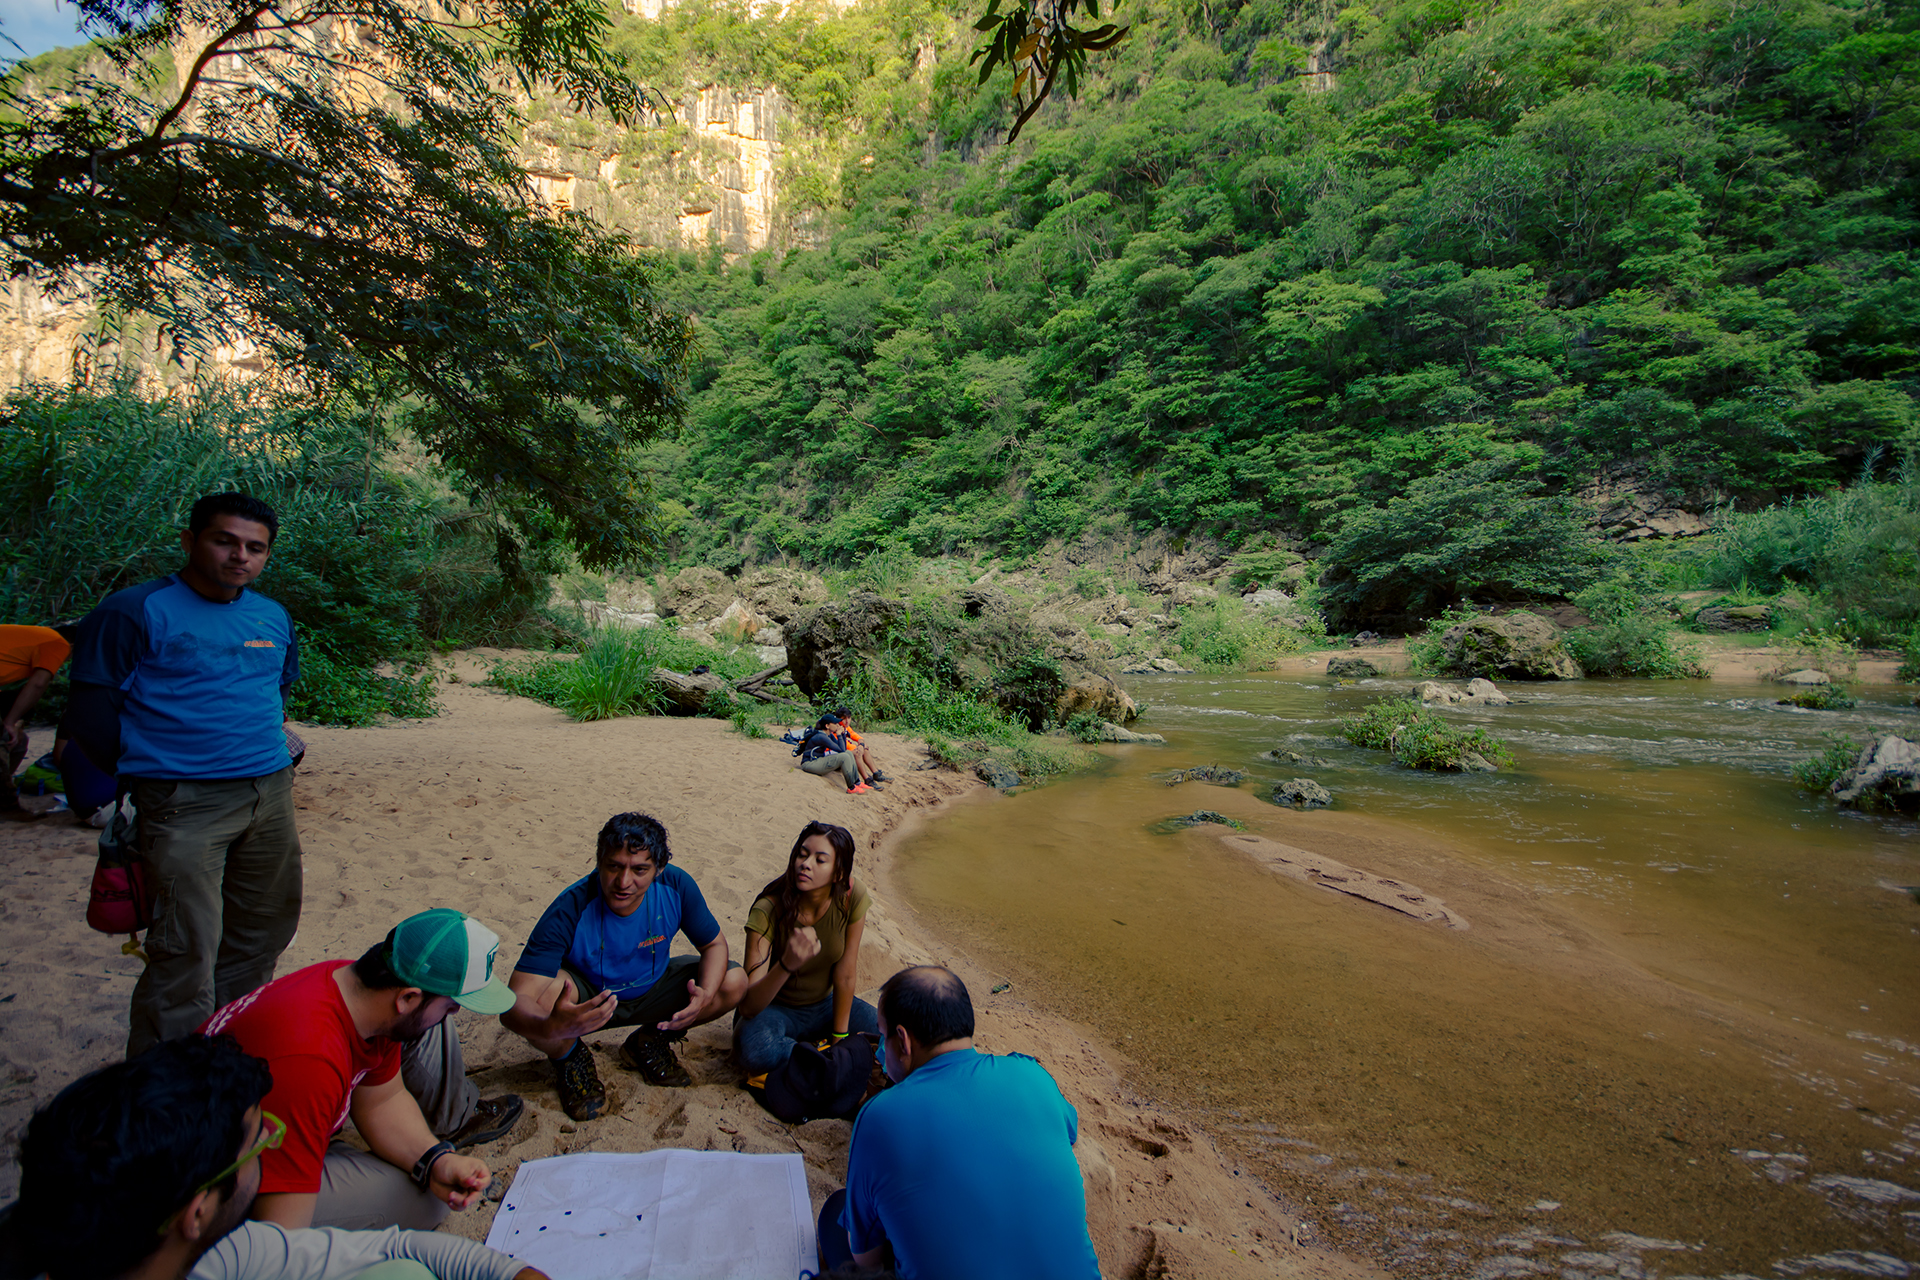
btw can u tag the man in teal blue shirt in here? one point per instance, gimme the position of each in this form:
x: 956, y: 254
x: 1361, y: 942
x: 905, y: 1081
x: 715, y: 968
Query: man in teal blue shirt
x: 965, y: 1167
x: 180, y: 687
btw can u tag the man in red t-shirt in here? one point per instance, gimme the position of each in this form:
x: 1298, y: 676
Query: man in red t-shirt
x: 361, y: 1040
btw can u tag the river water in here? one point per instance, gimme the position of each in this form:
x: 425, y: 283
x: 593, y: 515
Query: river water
x: 1680, y: 1035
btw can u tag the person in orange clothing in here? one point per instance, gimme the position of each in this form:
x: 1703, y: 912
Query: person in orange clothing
x: 29, y: 656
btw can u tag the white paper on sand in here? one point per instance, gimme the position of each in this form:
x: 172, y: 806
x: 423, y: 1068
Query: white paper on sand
x: 659, y: 1215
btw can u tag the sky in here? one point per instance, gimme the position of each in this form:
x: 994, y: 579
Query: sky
x: 37, y: 26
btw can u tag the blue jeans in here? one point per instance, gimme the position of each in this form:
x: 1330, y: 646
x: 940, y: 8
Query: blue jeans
x: 766, y: 1040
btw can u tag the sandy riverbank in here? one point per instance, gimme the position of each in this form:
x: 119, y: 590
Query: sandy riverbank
x: 492, y: 808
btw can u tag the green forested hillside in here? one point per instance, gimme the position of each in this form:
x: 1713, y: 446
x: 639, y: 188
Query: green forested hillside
x: 1498, y: 246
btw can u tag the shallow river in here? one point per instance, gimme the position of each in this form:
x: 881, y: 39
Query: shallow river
x: 1679, y: 1036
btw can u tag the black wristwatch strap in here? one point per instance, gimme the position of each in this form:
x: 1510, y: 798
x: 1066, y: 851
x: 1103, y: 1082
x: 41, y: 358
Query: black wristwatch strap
x: 423, y: 1168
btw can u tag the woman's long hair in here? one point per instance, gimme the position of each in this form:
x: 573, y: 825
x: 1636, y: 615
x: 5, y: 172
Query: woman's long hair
x: 786, y: 894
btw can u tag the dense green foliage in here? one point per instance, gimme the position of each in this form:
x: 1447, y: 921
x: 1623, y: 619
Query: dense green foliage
x: 354, y: 204
x: 374, y: 565
x: 1857, y: 550
x: 1630, y: 638
x: 1419, y: 738
x: 1493, y: 249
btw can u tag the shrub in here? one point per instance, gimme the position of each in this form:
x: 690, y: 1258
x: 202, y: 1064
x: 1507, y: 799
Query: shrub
x: 1029, y: 689
x: 1826, y: 697
x: 1854, y: 547
x: 1823, y: 770
x: 1427, y: 652
x: 1419, y: 739
x: 1630, y: 638
x: 1910, y: 660
x: 1085, y: 726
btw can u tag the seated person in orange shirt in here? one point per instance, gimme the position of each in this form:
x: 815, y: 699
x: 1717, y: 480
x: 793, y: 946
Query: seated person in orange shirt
x: 29, y: 656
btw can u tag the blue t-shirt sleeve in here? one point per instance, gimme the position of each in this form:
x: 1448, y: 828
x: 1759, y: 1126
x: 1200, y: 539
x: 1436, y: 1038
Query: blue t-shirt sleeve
x: 112, y: 639
x: 552, y: 938
x: 696, y: 921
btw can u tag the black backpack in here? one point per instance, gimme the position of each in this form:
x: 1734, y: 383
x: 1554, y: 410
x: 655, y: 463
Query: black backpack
x: 828, y: 1081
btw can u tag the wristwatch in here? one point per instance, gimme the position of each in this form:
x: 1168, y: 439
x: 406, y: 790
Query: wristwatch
x: 423, y: 1167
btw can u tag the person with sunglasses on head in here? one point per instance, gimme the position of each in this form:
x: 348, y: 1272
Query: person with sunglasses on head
x: 370, y: 1039
x: 146, y: 1170
x: 803, y: 954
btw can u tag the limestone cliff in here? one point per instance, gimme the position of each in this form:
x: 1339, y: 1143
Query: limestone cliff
x: 705, y: 173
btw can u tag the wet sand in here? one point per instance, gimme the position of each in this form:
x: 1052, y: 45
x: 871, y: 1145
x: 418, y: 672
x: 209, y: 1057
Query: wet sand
x: 492, y: 808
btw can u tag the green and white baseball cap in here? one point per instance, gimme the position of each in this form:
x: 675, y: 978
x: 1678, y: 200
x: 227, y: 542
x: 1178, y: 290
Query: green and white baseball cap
x: 449, y: 953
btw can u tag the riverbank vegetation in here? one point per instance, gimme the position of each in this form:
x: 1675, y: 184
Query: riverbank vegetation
x: 1470, y: 261
x: 377, y: 560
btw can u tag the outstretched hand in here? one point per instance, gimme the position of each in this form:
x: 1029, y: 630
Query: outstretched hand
x: 698, y: 998
x: 570, y: 1021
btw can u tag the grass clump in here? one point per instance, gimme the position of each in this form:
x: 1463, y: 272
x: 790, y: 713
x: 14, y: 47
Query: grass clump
x: 1225, y: 635
x: 1826, y: 697
x: 612, y: 675
x: 1821, y: 771
x: 1419, y: 739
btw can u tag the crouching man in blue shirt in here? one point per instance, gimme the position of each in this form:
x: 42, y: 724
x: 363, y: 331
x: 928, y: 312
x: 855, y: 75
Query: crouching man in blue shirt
x: 965, y: 1168
x: 600, y: 958
x: 179, y: 686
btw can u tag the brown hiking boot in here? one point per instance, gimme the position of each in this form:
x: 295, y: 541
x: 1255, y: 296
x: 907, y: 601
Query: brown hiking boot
x: 578, y: 1082
x: 492, y: 1118
x: 651, y: 1053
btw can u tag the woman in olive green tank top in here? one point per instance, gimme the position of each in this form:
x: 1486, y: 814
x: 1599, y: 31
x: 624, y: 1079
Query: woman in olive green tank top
x: 803, y: 953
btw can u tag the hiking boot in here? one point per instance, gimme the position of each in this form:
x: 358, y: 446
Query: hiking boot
x: 651, y: 1053
x: 492, y: 1118
x: 578, y: 1082
x: 879, y: 777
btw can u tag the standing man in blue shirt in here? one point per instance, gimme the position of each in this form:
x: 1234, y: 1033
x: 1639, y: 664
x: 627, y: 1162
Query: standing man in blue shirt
x: 600, y: 958
x: 180, y: 688
x: 965, y: 1167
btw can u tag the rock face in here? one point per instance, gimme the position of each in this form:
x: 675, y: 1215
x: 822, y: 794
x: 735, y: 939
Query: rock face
x: 1757, y: 617
x: 1301, y: 793
x: 1518, y: 646
x: 828, y: 643
x: 1351, y: 668
x: 697, y: 594
x: 778, y: 594
x: 1887, y: 774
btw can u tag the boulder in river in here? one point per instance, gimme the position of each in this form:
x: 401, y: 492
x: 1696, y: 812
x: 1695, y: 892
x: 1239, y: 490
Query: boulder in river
x: 1805, y: 677
x: 1111, y: 732
x: 1478, y: 693
x: 1349, y: 668
x: 1885, y: 775
x: 995, y: 774
x: 1751, y: 617
x: 1516, y: 646
x: 1301, y: 793
x: 1207, y: 773
x: 1280, y: 755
